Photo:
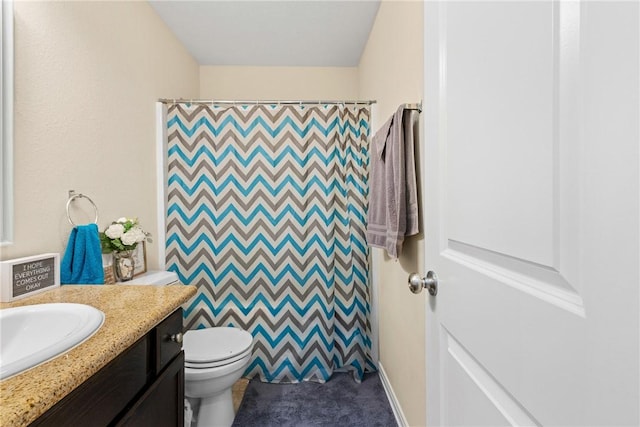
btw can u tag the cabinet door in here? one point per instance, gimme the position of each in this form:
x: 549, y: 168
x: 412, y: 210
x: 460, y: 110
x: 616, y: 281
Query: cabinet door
x: 101, y: 398
x: 163, y: 402
x: 165, y: 347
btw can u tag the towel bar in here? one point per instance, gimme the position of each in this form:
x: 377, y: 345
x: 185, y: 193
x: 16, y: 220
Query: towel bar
x: 73, y: 196
x: 416, y: 106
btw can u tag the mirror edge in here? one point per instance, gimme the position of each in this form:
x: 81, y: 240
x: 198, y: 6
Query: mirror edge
x: 6, y: 124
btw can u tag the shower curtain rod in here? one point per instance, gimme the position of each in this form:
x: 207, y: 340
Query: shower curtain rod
x: 259, y: 102
x: 409, y: 106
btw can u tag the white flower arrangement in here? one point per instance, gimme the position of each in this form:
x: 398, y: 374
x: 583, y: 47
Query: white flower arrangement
x: 124, y: 234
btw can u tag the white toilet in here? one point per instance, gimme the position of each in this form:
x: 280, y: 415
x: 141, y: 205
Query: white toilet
x: 215, y: 358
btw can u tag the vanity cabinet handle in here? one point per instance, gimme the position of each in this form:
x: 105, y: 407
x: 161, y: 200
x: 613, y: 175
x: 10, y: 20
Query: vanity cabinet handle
x: 177, y: 337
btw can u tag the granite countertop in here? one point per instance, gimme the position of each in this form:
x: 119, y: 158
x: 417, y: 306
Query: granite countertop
x: 130, y: 312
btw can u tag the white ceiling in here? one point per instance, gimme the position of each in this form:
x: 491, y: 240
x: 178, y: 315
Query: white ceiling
x: 271, y: 33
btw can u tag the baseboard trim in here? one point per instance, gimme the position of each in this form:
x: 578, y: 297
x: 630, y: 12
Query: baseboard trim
x: 391, y: 397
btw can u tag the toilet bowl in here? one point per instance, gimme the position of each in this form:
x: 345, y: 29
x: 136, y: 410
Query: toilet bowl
x: 215, y: 358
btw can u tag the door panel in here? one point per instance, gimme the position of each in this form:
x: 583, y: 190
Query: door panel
x: 511, y: 202
x: 482, y: 401
x: 531, y: 200
x: 505, y: 164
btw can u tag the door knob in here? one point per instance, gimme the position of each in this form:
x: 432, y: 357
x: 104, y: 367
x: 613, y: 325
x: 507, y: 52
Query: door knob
x: 416, y: 283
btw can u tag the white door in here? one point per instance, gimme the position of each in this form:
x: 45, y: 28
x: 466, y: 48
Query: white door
x: 531, y: 197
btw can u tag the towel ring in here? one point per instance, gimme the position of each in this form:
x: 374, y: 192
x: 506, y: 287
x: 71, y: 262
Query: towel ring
x: 80, y: 196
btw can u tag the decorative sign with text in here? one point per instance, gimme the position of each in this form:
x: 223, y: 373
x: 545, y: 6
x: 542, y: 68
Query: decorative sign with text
x: 27, y: 276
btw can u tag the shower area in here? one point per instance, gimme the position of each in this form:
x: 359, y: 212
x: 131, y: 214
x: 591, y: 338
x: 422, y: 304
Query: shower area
x: 265, y: 212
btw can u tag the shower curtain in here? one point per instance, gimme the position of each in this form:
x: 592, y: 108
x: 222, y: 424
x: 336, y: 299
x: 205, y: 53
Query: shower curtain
x: 266, y: 217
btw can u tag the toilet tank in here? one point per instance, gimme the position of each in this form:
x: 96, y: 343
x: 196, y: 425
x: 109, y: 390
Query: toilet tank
x: 155, y: 278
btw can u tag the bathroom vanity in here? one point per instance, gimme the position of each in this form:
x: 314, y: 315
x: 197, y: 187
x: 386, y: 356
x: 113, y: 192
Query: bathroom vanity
x: 131, y: 372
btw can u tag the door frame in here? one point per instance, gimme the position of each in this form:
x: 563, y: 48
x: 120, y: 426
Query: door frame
x: 432, y: 125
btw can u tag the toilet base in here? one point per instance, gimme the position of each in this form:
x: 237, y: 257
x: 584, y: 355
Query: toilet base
x: 216, y: 411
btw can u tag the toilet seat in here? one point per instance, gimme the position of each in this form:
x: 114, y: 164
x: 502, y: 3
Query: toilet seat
x: 215, y: 347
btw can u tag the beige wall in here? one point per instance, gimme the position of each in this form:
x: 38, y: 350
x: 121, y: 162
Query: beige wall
x: 251, y: 83
x: 87, y: 75
x: 390, y: 71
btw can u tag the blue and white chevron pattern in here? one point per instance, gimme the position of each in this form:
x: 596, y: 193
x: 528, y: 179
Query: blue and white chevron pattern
x: 266, y: 216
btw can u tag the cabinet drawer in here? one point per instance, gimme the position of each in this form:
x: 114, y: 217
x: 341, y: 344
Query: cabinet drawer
x: 166, y: 348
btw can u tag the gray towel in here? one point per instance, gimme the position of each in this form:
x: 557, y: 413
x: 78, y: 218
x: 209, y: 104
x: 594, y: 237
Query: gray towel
x: 393, y: 198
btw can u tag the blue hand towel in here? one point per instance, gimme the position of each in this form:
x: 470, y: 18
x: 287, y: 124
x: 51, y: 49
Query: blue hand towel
x: 82, y: 261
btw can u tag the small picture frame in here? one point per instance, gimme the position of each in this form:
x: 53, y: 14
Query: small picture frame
x: 140, y: 259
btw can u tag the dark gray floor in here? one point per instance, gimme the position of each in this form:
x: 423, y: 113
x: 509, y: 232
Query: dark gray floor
x: 338, y: 402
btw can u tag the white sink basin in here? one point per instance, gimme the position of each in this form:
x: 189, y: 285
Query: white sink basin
x: 33, y: 334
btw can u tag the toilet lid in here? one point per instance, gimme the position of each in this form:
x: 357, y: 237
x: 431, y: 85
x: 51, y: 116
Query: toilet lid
x: 211, y: 345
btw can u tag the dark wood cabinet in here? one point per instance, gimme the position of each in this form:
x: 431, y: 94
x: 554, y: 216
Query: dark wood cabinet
x: 160, y: 405
x: 142, y: 386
